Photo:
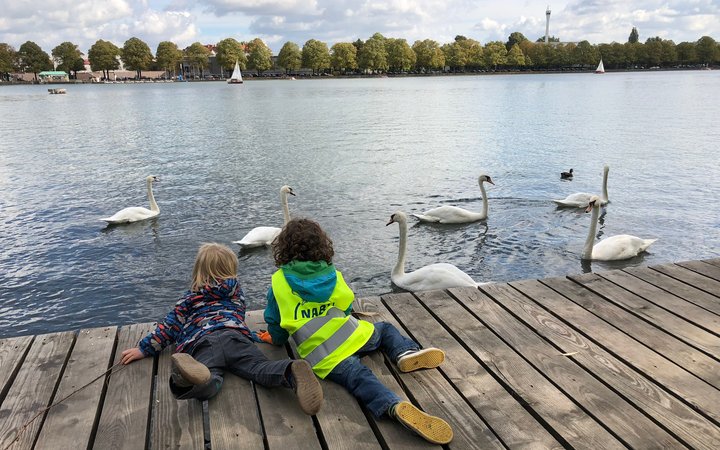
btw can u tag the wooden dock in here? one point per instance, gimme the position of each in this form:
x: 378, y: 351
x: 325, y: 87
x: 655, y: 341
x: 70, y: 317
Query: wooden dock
x: 618, y: 359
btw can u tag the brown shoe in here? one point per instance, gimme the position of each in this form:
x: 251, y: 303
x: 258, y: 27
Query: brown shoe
x: 427, y: 358
x: 306, y: 387
x: 432, y: 429
x: 187, y: 371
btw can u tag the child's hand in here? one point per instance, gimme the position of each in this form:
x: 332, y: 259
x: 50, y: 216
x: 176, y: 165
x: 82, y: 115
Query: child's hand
x: 131, y: 355
x: 262, y: 336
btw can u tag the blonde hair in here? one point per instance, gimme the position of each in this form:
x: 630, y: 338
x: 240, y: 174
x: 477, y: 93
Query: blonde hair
x: 213, y: 262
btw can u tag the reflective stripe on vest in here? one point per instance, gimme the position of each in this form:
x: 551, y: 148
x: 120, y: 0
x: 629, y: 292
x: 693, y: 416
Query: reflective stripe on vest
x: 327, y: 336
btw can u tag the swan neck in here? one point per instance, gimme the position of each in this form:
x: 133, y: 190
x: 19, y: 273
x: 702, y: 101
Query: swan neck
x: 485, y: 200
x: 286, y: 210
x: 399, y: 269
x: 590, y: 241
x: 604, y: 188
x: 153, y: 204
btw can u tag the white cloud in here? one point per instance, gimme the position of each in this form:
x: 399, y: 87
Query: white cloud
x: 278, y: 21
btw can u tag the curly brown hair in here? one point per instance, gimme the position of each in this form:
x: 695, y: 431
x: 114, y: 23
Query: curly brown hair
x: 302, y: 240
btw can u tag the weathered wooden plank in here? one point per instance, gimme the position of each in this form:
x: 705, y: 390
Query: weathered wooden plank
x: 691, y: 359
x: 561, y: 415
x: 702, y: 396
x: 32, y: 389
x: 69, y: 425
x: 685, y: 291
x: 672, y: 303
x: 608, y: 408
x: 689, y: 277
x: 507, y: 418
x: 709, y: 270
x: 12, y: 352
x: 692, y: 428
x: 126, y: 409
x: 714, y: 261
x: 432, y: 392
x: 234, y: 418
x: 677, y: 326
x: 176, y: 424
x: 286, y: 425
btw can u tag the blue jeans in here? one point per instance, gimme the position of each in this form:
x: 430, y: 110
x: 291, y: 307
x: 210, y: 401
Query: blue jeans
x: 360, y: 381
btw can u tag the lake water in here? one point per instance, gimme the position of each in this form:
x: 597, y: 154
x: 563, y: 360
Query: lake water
x: 354, y: 151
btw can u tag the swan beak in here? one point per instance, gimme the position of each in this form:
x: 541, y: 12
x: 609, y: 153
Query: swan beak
x: 589, y: 207
x: 291, y: 193
x: 392, y: 220
x: 489, y: 180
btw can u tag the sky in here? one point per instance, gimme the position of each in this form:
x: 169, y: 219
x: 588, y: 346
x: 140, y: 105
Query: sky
x: 82, y: 22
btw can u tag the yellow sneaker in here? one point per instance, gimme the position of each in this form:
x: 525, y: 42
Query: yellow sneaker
x: 427, y: 358
x: 432, y: 429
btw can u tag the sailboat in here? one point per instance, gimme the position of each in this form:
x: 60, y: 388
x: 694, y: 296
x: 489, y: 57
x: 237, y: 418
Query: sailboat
x: 600, y: 67
x: 236, y: 77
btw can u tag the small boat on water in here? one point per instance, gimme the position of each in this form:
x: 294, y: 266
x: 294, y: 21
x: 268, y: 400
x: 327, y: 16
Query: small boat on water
x: 600, y: 67
x: 57, y: 91
x: 236, y: 77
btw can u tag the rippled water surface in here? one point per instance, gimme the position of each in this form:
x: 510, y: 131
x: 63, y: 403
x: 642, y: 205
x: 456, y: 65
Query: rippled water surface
x: 354, y: 151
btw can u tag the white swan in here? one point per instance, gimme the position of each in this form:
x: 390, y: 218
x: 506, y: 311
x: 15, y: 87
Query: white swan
x: 453, y: 214
x: 137, y: 213
x: 621, y: 246
x: 434, y: 276
x: 260, y: 236
x: 582, y: 199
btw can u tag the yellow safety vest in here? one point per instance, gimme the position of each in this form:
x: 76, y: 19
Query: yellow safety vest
x: 324, y: 335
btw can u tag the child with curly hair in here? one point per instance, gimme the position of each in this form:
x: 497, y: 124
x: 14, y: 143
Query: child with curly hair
x: 309, y: 300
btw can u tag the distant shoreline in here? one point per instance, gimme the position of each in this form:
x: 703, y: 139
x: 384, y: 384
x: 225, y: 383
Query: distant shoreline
x: 254, y: 77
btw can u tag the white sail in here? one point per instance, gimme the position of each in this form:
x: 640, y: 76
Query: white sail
x: 600, y: 67
x: 236, y: 76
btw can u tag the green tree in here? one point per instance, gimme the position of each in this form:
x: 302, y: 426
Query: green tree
x: 634, y: 37
x: 669, y: 53
x: 259, y: 56
x: 495, y: 54
x: 401, y: 57
x: 374, y: 56
x: 168, y: 56
x: 315, y: 56
x: 358, y: 45
x: 428, y: 55
x: 290, y: 57
x: 227, y: 52
x: 550, y: 39
x: 515, y: 38
x: 686, y: 53
x: 136, y: 55
x: 707, y: 50
x: 8, y: 58
x: 103, y: 55
x: 585, y: 54
x: 198, y: 56
x: 343, y: 56
x: 66, y: 56
x: 473, y: 52
x: 31, y: 58
x: 455, y: 56
x: 653, y: 51
x: 515, y: 57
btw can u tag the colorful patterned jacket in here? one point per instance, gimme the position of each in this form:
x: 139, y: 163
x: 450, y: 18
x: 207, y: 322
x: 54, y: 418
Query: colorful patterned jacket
x: 214, y: 307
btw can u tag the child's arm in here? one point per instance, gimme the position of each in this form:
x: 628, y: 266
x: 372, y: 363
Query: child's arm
x: 272, y: 317
x: 166, y: 332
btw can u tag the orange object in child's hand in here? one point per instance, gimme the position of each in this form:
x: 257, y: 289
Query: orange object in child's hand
x: 264, y: 336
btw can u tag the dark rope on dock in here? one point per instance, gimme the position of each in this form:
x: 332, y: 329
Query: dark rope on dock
x: 44, y: 410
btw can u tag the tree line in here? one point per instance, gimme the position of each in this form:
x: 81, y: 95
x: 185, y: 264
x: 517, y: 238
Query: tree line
x: 377, y: 54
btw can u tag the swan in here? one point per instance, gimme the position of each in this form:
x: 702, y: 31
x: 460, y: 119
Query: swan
x: 566, y: 175
x: 260, y: 236
x: 137, y: 213
x: 433, y: 276
x: 582, y: 199
x: 621, y: 246
x: 453, y: 214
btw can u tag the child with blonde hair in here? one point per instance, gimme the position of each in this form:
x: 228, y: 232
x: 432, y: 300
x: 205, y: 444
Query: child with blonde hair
x: 309, y: 301
x: 208, y: 328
